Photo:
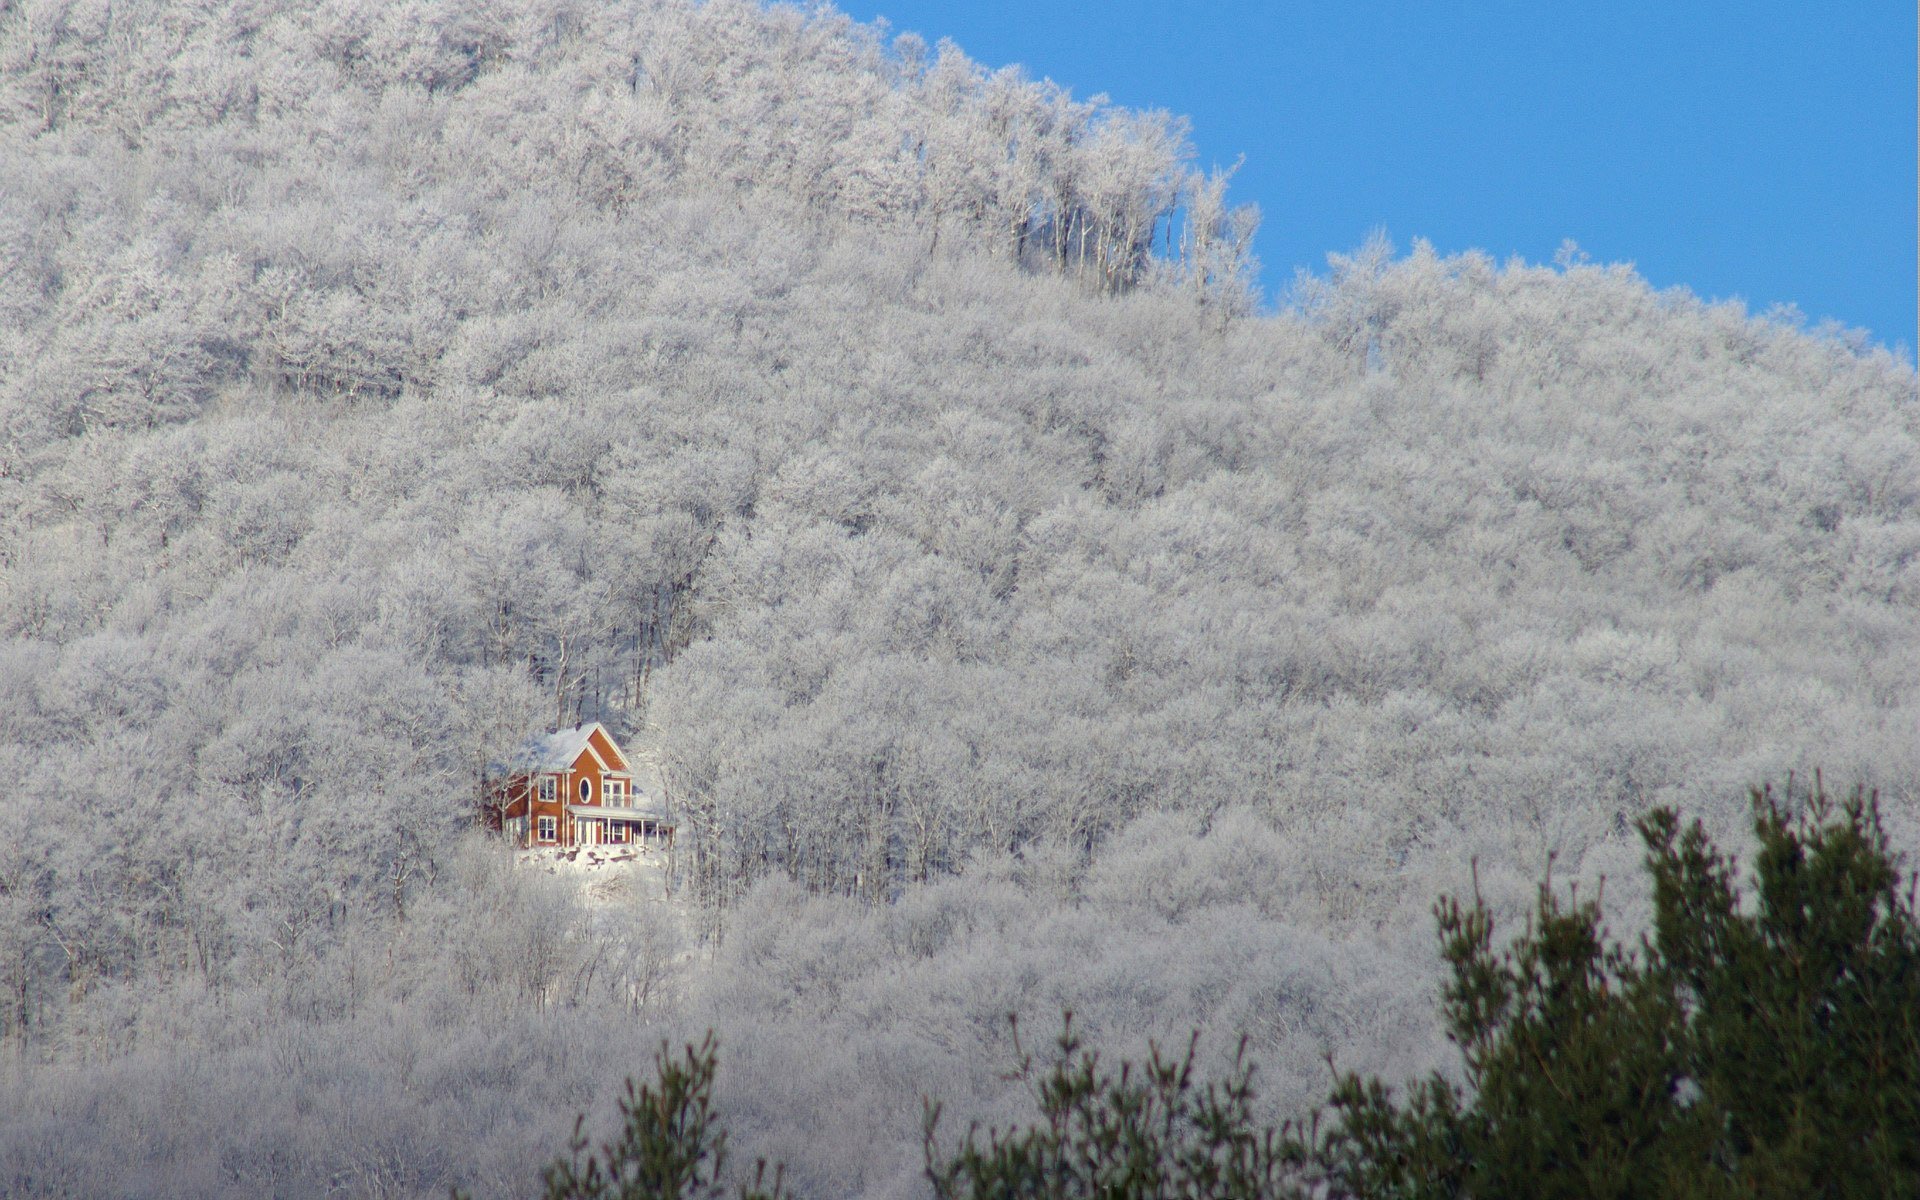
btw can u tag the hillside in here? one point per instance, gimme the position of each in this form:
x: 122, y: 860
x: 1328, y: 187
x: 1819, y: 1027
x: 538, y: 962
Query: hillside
x: 895, y: 446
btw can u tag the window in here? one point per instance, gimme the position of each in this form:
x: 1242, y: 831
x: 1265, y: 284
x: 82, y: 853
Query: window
x: 547, y: 788
x: 586, y: 791
x: 616, y: 795
x: 546, y: 829
x: 616, y: 832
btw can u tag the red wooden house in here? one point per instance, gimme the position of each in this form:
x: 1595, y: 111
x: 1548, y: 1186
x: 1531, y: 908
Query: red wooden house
x: 576, y: 787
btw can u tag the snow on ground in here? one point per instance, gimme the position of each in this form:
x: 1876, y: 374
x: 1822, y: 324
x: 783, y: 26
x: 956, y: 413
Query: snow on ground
x: 608, y: 875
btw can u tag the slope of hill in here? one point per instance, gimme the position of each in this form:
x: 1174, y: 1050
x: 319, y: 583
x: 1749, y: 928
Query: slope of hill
x: 1026, y: 621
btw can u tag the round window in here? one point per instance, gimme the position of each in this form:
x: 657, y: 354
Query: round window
x: 586, y: 790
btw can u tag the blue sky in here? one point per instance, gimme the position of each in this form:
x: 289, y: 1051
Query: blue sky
x: 1761, y: 150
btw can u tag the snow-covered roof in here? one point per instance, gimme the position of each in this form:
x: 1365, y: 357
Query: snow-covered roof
x: 557, y: 751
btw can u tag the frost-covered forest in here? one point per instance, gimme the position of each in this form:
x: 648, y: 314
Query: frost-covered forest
x: 1026, y: 618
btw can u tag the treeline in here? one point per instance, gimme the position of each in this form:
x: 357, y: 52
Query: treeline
x: 1024, y: 621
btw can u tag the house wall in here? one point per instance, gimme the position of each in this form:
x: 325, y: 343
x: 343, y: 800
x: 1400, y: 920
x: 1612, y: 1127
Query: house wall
x: 516, y: 791
x: 584, y: 768
x: 557, y: 809
x: 524, y: 801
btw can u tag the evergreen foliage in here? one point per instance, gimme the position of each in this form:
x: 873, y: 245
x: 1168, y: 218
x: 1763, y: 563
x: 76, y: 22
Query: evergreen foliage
x: 1763, y: 1044
x: 670, y: 1145
x: 1134, y: 1135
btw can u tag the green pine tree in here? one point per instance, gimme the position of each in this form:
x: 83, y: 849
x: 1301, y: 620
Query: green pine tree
x: 1135, y: 1134
x: 1754, y: 1046
x: 670, y: 1145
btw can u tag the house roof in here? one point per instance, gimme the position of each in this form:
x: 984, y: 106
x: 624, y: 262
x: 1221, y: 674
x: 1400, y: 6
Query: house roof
x: 557, y: 751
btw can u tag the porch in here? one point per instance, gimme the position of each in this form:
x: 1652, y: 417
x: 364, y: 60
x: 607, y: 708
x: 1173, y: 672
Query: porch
x: 602, y: 825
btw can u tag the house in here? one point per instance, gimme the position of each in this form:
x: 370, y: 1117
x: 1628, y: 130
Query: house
x: 577, y: 787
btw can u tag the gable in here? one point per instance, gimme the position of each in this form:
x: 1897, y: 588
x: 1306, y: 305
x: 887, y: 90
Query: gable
x: 602, y: 744
x: 589, y: 761
x: 577, y: 748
